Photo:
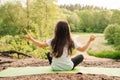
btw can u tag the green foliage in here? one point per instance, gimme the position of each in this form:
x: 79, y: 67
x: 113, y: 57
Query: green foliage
x: 88, y: 20
x: 112, y: 34
x: 101, y: 19
x: 74, y: 22
x: 18, y: 43
x: 39, y: 14
x: 106, y: 54
x: 73, y: 7
x: 12, y: 19
x: 43, y: 16
x: 38, y: 18
x: 115, y: 18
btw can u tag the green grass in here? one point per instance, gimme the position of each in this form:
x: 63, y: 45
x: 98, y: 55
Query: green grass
x: 106, y: 54
x: 99, y: 44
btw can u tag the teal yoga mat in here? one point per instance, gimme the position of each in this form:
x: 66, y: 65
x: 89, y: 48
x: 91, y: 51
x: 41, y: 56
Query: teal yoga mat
x: 20, y: 71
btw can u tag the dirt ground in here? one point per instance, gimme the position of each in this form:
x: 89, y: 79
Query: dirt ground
x: 88, y: 61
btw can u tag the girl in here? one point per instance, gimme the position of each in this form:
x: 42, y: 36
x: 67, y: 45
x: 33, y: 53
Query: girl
x: 61, y: 48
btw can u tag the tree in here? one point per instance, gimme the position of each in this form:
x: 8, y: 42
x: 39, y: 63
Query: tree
x: 38, y: 18
x: 115, y: 18
x: 12, y: 18
x: 101, y: 20
x: 43, y: 16
x: 86, y: 20
x: 74, y: 21
x: 112, y: 35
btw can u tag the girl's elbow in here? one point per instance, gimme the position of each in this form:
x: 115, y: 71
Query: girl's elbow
x: 42, y: 45
x: 81, y: 50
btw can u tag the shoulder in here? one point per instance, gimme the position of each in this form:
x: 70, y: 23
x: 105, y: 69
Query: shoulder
x: 76, y: 43
x: 49, y: 41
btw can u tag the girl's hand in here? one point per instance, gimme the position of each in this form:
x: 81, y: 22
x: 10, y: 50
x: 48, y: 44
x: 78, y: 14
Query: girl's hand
x: 27, y: 36
x: 92, y: 37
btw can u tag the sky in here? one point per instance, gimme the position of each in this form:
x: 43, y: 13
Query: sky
x: 110, y: 4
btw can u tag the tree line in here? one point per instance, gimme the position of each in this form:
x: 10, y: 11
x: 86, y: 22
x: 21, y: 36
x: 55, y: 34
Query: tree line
x: 39, y: 17
x: 89, y: 18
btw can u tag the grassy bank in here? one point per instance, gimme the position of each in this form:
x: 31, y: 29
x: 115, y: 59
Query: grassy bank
x: 99, y: 46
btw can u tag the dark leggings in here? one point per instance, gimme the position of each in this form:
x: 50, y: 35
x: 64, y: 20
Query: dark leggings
x: 76, y: 60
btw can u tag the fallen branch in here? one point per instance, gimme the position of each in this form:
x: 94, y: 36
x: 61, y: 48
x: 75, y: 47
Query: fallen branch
x: 6, y: 62
x: 8, y: 53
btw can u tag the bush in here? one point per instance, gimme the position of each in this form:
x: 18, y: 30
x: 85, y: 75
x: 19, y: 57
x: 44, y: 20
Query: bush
x: 112, y: 35
x: 19, y: 43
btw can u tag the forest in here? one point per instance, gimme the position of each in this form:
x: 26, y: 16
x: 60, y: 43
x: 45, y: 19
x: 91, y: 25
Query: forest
x: 39, y: 17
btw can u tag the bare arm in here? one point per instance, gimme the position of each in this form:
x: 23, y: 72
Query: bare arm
x: 37, y: 43
x: 84, y: 47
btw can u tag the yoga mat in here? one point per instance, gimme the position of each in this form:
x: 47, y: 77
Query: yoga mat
x: 20, y: 71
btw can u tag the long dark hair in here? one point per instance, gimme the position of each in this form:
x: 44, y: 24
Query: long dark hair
x: 62, y: 38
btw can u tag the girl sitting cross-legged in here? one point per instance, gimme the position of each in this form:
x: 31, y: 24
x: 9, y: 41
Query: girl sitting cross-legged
x: 62, y: 46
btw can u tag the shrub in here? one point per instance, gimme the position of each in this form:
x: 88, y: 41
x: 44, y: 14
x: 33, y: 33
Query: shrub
x: 112, y: 35
x: 19, y: 43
